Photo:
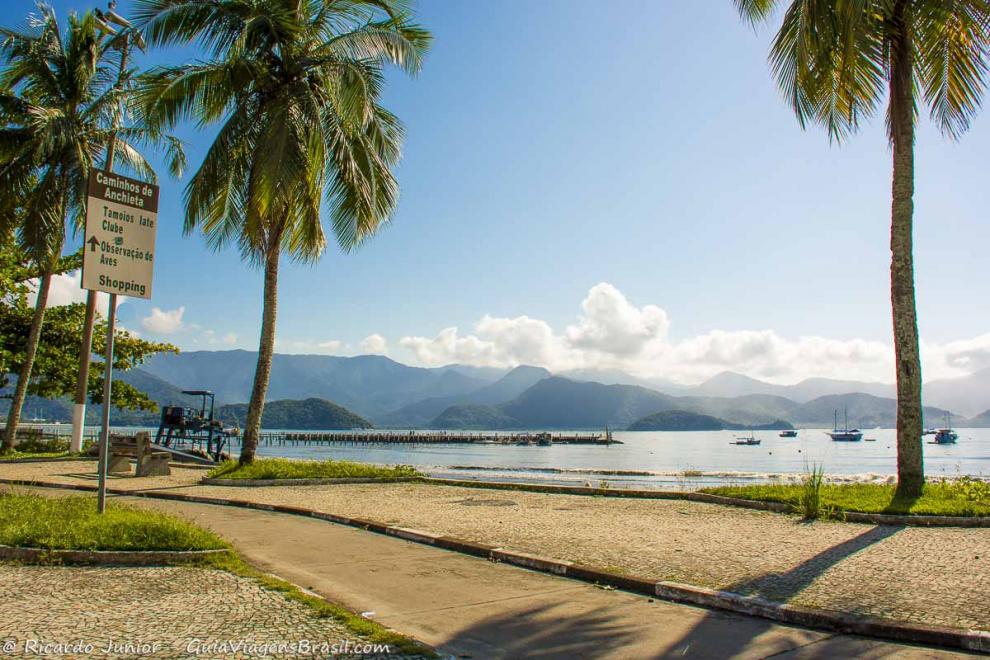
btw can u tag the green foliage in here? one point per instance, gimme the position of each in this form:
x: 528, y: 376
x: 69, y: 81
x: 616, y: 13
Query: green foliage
x: 832, y: 60
x: 37, y: 446
x: 810, y: 502
x: 283, y: 468
x: 470, y: 416
x: 72, y: 523
x: 959, y: 497
x: 56, y: 362
x: 60, y: 96
x: 312, y: 413
x: 298, y: 94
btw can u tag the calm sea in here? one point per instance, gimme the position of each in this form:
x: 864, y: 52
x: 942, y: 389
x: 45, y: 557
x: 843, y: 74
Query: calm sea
x: 669, y: 460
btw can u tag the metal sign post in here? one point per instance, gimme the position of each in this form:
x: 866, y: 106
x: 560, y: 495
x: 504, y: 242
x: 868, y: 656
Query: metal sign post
x: 101, y: 493
x: 118, y: 258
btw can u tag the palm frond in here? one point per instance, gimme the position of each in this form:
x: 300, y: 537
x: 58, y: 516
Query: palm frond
x: 952, y: 44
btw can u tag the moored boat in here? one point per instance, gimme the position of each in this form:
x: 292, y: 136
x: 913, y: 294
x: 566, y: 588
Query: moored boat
x: 788, y: 434
x: 946, y: 436
x: 751, y: 440
x: 844, y: 434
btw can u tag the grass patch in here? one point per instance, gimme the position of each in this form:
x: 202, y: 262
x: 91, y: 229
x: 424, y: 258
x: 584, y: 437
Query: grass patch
x: 33, y: 447
x: 960, y: 497
x: 283, y: 468
x: 11, y: 455
x: 72, y: 523
x: 372, y: 631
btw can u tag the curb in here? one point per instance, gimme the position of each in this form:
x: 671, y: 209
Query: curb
x: 106, y: 557
x: 897, y: 520
x: 257, y: 483
x: 844, y: 622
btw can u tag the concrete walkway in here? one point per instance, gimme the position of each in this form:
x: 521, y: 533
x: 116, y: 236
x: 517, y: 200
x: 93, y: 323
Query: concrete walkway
x: 472, y: 608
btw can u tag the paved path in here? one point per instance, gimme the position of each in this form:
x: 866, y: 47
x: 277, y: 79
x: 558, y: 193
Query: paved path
x: 159, y: 612
x: 935, y: 576
x: 473, y: 608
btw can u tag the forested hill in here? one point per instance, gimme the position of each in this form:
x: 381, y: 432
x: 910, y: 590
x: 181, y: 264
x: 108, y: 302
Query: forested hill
x: 305, y: 414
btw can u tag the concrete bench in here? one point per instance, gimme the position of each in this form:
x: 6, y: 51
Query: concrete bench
x: 148, y: 461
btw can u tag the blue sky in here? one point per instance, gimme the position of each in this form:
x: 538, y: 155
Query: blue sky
x: 559, y: 145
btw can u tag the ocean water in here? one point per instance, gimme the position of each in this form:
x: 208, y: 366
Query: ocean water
x: 670, y: 460
x: 663, y: 460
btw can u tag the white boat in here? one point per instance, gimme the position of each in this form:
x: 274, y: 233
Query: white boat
x: 751, y: 440
x: 844, y: 434
x: 946, y: 436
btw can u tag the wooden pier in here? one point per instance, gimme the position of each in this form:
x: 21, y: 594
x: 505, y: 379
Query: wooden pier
x: 292, y: 439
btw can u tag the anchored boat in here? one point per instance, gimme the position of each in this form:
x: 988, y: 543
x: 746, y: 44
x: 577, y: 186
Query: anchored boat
x: 946, y: 436
x: 751, y: 440
x: 788, y: 434
x: 844, y: 434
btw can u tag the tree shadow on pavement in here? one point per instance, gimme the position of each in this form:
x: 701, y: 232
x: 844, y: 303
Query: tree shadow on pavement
x: 779, y: 587
x: 543, y: 631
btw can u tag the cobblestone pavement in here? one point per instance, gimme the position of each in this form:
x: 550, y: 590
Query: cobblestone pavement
x: 161, y: 612
x: 938, y: 576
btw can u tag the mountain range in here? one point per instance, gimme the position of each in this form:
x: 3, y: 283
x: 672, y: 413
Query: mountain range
x: 562, y: 403
x: 391, y: 394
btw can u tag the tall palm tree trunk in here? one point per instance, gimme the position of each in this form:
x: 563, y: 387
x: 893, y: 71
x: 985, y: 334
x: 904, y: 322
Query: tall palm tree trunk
x: 34, y: 336
x: 266, y: 349
x: 910, y: 462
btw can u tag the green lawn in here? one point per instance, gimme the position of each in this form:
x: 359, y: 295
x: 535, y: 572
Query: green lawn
x: 44, y: 448
x: 72, y: 523
x: 962, y: 497
x: 11, y: 455
x: 283, y: 468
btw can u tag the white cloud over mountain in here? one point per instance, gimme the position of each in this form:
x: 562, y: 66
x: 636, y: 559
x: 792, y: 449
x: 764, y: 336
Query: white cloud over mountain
x: 612, y: 333
x: 374, y: 345
x: 164, y: 322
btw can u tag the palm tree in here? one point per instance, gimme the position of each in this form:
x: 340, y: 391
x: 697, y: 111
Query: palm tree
x: 296, y: 85
x: 57, y: 106
x: 836, y: 61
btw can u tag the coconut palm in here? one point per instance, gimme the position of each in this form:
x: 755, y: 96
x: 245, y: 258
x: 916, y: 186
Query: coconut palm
x: 836, y: 61
x: 296, y: 86
x: 58, y: 103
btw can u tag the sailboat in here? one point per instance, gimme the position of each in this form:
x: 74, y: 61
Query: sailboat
x: 946, y: 436
x: 844, y: 434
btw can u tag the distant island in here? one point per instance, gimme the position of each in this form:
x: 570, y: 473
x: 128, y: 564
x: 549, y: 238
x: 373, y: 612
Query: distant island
x: 682, y: 420
x: 473, y: 418
x: 305, y: 414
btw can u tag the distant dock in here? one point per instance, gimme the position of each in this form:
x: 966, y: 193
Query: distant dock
x: 292, y: 439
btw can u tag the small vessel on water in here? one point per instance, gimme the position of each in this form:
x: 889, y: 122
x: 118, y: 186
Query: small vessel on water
x: 845, y: 434
x: 788, y: 434
x: 543, y: 439
x: 946, y: 436
x: 751, y: 440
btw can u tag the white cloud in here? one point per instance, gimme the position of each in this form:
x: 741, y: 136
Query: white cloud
x: 325, y: 347
x: 611, y: 324
x: 164, y: 322
x: 230, y: 339
x: 612, y: 333
x: 374, y: 344
x: 65, y: 290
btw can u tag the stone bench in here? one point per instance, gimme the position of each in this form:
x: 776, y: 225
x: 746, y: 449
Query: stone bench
x: 148, y: 461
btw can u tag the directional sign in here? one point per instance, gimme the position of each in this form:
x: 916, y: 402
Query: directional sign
x: 121, y: 218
